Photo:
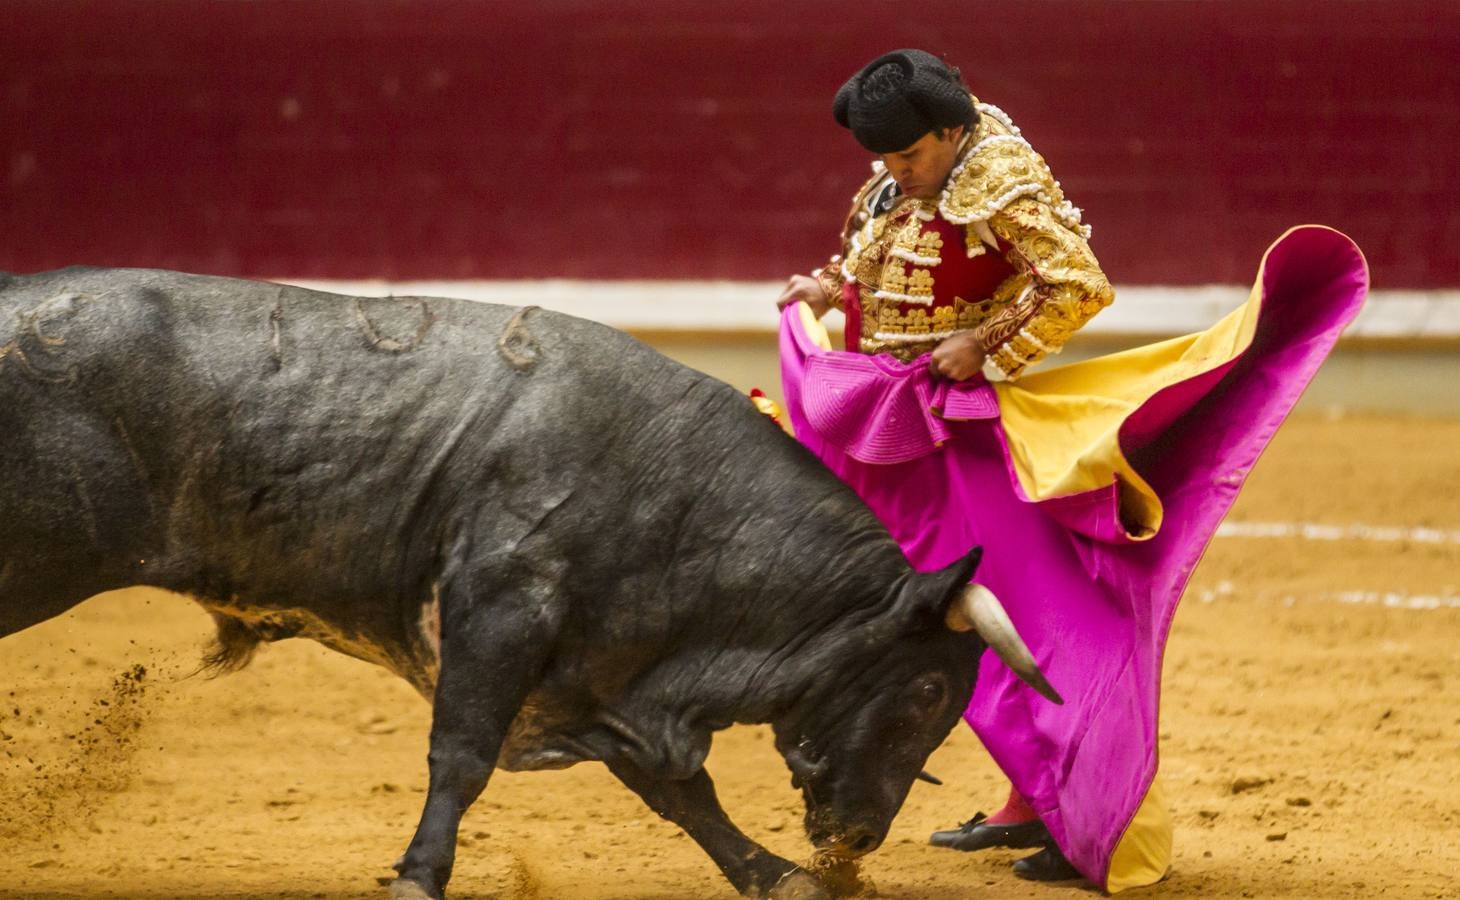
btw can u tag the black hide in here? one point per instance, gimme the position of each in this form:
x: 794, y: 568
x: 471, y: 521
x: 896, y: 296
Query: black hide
x: 621, y: 553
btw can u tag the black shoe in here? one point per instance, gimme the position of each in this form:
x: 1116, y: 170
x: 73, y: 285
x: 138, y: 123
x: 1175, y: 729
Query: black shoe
x: 1048, y: 864
x: 976, y: 834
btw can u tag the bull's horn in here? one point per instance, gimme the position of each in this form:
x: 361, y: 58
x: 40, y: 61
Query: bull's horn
x: 977, y: 609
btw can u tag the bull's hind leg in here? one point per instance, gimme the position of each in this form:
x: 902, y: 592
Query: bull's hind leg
x: 491, y: 655
x: 692, y: 805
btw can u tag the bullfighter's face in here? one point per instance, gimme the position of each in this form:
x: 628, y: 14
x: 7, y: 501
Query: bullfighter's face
x: 922, y: 169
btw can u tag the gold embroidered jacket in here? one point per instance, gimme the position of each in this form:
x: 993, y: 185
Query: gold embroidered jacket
x: 1001, y: 253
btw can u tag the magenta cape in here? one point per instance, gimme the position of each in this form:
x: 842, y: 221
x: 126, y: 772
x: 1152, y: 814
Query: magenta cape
x: 1094, y: 489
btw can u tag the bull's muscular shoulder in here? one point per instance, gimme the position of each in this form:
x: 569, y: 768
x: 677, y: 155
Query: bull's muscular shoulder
x: 998, y: 167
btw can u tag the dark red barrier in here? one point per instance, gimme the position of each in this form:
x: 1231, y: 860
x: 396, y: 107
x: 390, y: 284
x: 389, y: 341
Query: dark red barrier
x: 651, y: 139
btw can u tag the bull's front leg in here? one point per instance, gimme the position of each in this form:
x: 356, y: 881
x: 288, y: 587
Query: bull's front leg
x: 489, y: 663
x: 692, y: 805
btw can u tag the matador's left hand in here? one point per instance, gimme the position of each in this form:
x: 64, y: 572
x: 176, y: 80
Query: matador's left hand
x: 958, y: 358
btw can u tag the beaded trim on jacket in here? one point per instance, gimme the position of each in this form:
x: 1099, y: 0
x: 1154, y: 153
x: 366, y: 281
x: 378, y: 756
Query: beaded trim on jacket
x: 999, y: 168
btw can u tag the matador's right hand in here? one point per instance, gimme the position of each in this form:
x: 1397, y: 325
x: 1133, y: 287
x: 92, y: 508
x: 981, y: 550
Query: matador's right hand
x: 807, y: 289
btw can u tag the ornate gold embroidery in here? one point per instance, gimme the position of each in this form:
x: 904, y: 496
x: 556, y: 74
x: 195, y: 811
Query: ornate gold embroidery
x: 1018, y: 304
x: 915, y: 321
x: 930, y: 244
x: 1067, y: 286
x: 998, y: 167
x: 1001, y: 188
x: 908, y: 234
x: 941, y: 320
x: 867, y: 267
x: 920, y: 282
x: 973, y: 245
x: 867, y: 252
x: 914, y: 280
x: 894, y: 277
x: 829, y: 279
x: 971, y: 315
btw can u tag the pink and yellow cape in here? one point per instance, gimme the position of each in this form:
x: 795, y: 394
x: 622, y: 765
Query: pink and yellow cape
x: 1094, y: 489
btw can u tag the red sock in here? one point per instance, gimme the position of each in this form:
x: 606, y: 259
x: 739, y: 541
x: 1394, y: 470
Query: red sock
x: 1015, y: 811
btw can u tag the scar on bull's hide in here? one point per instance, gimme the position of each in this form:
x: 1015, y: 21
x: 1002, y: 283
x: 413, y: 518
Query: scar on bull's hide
x: 49, y: 311
x: 29, y: 325
x: 78, y: 483
x: 388, y: 344
x: 276, y: 316
x: 517, y: 345
x: 138, y: 467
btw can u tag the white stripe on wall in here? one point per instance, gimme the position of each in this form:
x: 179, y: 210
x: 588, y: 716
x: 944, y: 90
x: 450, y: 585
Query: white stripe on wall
x: 750, y: 305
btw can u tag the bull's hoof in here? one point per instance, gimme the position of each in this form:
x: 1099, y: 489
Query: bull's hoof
x: 798, y: 884
x: 406, y: 889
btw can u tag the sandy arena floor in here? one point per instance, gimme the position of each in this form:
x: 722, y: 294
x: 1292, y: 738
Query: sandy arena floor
x: 1311, y: 737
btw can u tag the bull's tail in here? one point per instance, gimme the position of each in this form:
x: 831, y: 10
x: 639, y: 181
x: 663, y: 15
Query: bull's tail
x: 238, y: 639
x: 232, y: 648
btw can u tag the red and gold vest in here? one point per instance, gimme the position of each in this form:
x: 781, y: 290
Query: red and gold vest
x: 918, y: 279
x: 1000, y: 253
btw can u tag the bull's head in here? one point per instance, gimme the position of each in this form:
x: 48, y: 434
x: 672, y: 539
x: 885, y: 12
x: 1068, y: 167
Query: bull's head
x: 890, y: 691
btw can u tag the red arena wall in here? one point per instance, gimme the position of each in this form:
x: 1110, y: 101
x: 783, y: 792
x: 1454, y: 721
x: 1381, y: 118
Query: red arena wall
x: 623, y: 139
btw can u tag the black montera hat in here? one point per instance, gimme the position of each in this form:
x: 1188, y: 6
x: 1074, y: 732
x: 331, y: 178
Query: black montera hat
x: 899, y: 97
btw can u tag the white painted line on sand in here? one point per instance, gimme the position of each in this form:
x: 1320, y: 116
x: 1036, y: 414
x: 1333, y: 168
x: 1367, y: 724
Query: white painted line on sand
x: 1394, y: 599
x: 1225, y: 590
x: 1314, y: 532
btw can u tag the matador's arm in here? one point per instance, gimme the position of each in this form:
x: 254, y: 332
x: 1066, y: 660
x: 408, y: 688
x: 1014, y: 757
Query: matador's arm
x: 1057, y: 287
x: 1003, y: 191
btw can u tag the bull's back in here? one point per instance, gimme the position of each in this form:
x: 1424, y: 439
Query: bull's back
x: 259, y: 445
x: 178, y: 427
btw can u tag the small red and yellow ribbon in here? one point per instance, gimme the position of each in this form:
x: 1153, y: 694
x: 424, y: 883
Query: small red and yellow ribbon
x: 766, y: 405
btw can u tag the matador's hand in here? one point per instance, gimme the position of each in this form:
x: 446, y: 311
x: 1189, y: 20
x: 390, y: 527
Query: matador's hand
x: 958, y: 358
x: 804, y: 287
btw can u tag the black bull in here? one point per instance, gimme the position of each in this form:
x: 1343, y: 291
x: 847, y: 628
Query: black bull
x: 574, y: 547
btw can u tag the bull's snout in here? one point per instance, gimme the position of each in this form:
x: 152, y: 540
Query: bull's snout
x: 860, y: 843
x: 848, y: 843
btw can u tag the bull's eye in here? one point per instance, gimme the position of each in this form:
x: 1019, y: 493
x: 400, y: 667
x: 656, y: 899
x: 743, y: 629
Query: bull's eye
x: 931, y: 693
x: 806, y: 769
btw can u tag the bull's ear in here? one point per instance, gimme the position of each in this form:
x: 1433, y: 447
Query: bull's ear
x: 936, y: 591
x: 961, y: 571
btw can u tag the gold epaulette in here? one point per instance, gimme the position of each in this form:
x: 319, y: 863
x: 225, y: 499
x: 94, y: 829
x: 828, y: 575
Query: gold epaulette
x: 998, y: 168
x: 863, y: 204
x: 863, y: 225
